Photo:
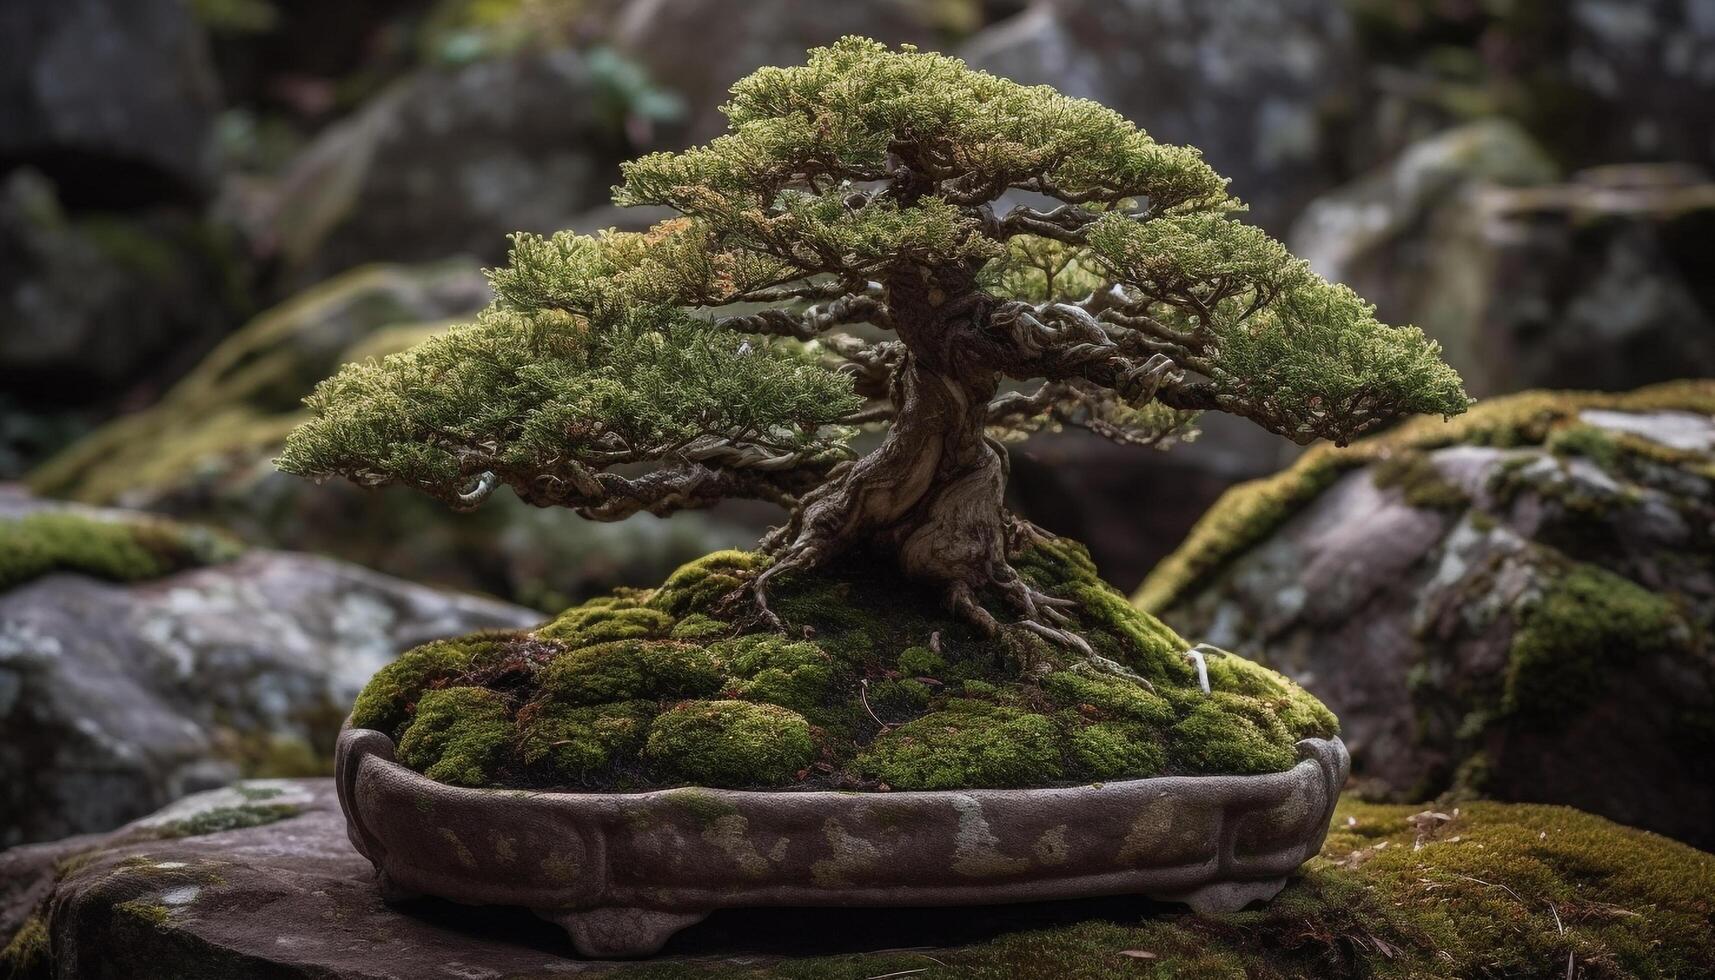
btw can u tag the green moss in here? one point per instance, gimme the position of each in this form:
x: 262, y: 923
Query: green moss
x: 1588, y: 624
x: 574, y: 743
x: 730, y: 743
x: 769, y: 668
x: 921, y: 662
x: 605, y: 620
x: 153, y: 913
x: 1597, y: 445
x: 1250, y: 512
x: 873, y: 664
x: 967, y: 744
x: 1415, y: 475
x: 26, y: 955
x: 459, y: 736
x: 1116, y: 696
x: 120, y: 550
x: 1115, y: 749
x: 388, y: 700
x: 222, y: 819
x: 1229, y: 733
x: 626, y: 670
x: 702, y: 584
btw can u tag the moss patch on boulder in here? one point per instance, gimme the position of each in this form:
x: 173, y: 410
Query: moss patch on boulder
x: 872, y: 686
x: 50, y: 541
x: 1250, y: 512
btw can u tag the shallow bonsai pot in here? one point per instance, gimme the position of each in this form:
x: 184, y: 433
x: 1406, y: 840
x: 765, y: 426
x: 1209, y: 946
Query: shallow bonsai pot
x: 622, y: 872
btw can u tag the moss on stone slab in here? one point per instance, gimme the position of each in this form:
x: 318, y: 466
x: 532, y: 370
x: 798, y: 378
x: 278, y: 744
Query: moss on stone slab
x: 222, y: 819
x: 1248, y: 513
x: 121, y: 550
x: 730, y: 743
x: 872, y: 684
x: 458, y: 736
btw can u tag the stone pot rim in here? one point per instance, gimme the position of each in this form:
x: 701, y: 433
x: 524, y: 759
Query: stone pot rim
x: 623, y: 871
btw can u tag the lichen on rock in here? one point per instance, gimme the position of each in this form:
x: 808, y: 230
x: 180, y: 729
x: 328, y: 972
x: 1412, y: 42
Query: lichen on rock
x: 872, y: 686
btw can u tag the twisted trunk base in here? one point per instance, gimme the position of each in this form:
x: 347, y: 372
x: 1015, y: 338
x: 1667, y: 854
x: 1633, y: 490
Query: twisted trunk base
x: 932, y: 497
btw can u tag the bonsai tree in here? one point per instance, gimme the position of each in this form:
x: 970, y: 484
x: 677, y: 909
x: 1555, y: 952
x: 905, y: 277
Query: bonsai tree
x: 889, y: 239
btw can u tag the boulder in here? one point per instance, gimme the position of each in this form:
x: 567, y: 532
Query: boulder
x: 698, y: 48
x: 99, y: 309
x: 1254, y: 84
x: 114, y: 100
x: 449, y: 160
x: 260, y: 880
x: 205, y: 452
x: 1598, y: 282
x: 119, y: 696
x: 1514, y: 604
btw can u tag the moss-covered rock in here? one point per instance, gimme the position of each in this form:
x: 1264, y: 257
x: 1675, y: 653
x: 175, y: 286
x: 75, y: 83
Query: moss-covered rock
x: 871, y: 685
x: 729, y: 743
x: 121, y: 550
x: 1516, y: 603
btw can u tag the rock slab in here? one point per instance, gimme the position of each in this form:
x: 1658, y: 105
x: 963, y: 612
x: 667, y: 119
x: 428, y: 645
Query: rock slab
x: 116, y: 699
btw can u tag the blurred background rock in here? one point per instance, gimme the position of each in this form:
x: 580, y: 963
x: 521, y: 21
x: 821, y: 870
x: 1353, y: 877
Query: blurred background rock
x: 191, y: 187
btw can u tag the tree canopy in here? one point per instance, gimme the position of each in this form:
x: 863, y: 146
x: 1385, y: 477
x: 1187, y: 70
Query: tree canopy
x: 883, y: 237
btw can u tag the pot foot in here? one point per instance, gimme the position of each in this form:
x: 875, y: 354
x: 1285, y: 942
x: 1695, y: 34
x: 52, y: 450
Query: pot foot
x: 391, y: 891
x: 1228, y: 896
x: 619, y: 933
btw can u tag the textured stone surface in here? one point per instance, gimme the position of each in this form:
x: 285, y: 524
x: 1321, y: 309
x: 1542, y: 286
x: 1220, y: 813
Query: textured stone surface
x: 1599, y: 282
x: 449, y: 161
x: 87, y: 84
x: 1250, y: 83
x: 1525, y: 621
x: 115, y: 699
x: 698, y: 48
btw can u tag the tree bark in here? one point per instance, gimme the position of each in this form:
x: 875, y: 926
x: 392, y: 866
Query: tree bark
x: 932, y: 495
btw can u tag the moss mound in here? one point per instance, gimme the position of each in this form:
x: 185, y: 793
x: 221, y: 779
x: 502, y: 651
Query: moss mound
x: 874, y: 687
x: 121, y: 550
x: 1250, y: 512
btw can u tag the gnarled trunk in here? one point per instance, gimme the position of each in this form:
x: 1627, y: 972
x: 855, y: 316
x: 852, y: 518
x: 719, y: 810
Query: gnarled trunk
x: 932, y: 494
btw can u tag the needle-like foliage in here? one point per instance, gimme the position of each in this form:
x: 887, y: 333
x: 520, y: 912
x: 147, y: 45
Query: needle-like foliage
x: 884, y: 237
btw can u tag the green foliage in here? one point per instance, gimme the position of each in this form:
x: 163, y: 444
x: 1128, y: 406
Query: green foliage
x: 459, y: 735
x: 534, y: 395
x: 730, y: 743
x: 1282, y: 346
x: 127, y: 550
